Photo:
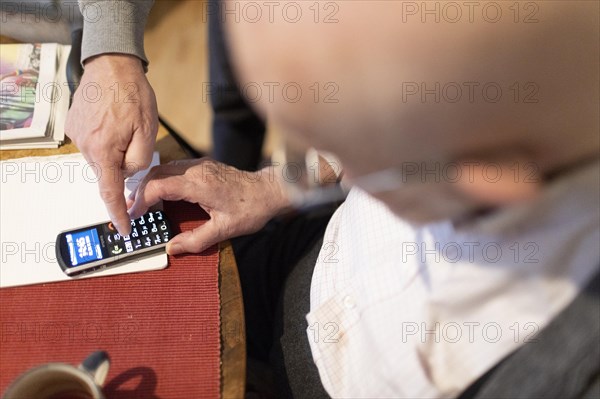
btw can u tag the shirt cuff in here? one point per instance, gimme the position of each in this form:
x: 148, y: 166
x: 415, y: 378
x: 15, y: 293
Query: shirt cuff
x: 114, y: 27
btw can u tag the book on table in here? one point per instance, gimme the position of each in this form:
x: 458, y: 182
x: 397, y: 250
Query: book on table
x: 34, y: 95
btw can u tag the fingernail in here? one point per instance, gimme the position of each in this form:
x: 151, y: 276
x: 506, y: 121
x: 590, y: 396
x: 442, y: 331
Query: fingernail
x: 124, y: 231
x: 174, y: 249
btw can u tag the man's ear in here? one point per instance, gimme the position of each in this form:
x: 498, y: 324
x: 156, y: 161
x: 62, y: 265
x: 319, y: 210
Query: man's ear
x: 499, y: 182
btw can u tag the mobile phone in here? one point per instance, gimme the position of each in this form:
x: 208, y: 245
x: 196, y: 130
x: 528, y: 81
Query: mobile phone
x: 96, y: 247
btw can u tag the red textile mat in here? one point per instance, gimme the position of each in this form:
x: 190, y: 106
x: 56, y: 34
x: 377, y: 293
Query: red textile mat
x: 160, y: 328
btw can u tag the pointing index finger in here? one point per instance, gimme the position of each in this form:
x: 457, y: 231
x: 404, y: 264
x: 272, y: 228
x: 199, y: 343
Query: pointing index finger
x: 112, y: 188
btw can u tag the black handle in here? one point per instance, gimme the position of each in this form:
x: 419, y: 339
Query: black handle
x: 74, y: 68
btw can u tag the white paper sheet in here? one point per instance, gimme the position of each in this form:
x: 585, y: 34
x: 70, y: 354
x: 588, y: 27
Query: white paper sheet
x: 39, y: 198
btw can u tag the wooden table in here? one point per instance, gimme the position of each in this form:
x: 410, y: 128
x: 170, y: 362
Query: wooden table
x: 233, y: 334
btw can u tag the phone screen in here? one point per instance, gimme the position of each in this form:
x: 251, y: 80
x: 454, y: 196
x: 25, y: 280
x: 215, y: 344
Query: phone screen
x: 101, y: 244
x: 84, y: 246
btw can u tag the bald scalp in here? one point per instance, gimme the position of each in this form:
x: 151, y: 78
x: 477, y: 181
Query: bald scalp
x: 414, y: 83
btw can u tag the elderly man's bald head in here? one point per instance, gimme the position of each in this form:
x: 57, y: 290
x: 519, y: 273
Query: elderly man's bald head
x: 430, y: 80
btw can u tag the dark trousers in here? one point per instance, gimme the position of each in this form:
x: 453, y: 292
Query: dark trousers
x: 237, y: 131
x: 276, y: 267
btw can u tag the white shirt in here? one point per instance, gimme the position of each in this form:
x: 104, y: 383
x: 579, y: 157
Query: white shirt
x: 404, y: 311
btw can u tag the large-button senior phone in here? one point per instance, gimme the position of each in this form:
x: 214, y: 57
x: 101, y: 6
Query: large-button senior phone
x: 96, y: 247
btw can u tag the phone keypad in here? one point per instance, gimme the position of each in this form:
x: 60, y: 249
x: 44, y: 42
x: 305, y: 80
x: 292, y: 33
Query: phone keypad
x: 149, y: 230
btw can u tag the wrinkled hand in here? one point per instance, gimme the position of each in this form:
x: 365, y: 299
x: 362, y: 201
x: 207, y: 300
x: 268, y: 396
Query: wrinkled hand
x: 238, y: 202
x: 114, y: 121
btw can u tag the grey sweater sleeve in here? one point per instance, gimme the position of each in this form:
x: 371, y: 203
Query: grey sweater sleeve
x: 114, y: 26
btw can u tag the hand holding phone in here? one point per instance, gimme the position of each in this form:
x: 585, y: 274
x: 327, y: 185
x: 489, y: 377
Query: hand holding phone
x: 96, y: 247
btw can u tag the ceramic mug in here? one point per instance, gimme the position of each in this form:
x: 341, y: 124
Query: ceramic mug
x: 63, y: 381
